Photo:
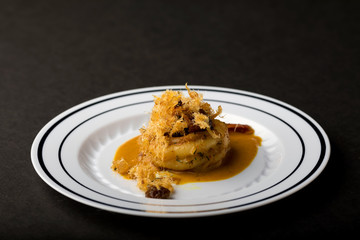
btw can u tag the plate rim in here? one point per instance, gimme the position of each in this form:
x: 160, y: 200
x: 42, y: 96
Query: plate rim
x: 47, y: 128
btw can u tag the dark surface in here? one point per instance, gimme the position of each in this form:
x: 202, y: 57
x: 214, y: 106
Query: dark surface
x: 57, y: 54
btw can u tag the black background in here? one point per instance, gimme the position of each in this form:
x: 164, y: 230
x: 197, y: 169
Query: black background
x: 57, y: 54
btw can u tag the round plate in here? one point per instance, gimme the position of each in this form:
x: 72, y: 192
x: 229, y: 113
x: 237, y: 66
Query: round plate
x: 73, y: 154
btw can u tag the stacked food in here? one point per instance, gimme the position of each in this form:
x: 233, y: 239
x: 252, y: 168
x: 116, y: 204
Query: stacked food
x: 182, y: 135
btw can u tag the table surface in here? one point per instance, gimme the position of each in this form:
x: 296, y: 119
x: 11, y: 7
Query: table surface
x: 57, y: 54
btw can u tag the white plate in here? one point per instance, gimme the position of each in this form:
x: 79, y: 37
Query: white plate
x: 74, y: 151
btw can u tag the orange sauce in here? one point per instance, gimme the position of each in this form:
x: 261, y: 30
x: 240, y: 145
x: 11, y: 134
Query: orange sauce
x: 243, y: 150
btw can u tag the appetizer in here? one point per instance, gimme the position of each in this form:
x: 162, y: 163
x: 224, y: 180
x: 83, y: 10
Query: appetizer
x: 182, y: 138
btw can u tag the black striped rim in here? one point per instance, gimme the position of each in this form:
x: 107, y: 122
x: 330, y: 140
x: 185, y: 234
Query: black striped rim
x: 53, y: 126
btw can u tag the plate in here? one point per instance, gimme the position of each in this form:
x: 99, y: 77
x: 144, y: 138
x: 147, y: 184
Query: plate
x: 74, y: 151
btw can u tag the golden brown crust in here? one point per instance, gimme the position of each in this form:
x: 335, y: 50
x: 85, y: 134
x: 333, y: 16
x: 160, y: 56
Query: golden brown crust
x: 182, y: 134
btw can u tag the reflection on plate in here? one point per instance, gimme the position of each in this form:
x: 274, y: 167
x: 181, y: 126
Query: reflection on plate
x: 74, y: 151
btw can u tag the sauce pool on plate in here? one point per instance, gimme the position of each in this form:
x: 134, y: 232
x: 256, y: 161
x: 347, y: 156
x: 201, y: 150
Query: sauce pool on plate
x: 244, y: 148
